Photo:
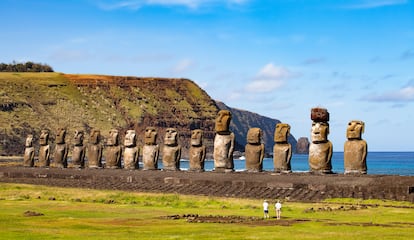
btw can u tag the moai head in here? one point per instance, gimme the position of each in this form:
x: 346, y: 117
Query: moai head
x: 95, y: 137
x: 320, y: 131
x: 223, y: 121
x: 78, y: 138
x: 60, y: 136
x: 196, y: 137
x: 29, y: 140
x: 355, y: 129
x: 254, y: 136
x: 44, y: 137
x: 282, y: 131
x: 113, y: 138
x: 130, y: 138
x: 150, y: 136
x: 170, y: 138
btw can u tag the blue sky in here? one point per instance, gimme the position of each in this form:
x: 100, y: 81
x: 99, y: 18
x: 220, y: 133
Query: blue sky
x: 278, y: 58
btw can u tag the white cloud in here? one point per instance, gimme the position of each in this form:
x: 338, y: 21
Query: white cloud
x: 183, y: 66
x: 366, y: 4
x: 269, y: 78
x: 405, y: 94
x: 136, y: 4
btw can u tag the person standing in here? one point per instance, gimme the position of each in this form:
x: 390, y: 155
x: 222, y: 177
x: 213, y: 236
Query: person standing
x: 278, y: 208
x: 266, y: 209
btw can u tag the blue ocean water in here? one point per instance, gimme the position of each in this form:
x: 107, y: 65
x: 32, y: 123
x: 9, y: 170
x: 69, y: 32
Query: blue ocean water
x: 390, y: 163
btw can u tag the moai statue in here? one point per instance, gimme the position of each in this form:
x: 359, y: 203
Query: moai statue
x: 150, y: 150
x: 171, y: 152
x: 302, y: 146
x: 44, y: 150
x: 223, y: 143
x: 28, y: 158
x: 131, y: 150
x: 197, y: 151
x: 95, y: 149
x: 355, y: 149
x: 60, y: 157
x: 78, y: 151
x: 254, y: 150
x: 282, y: 150
x: 113, y: 150
x: 320, y: 149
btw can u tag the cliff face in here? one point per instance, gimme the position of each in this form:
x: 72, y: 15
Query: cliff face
x: 30, y: 102
x: 243, y: 120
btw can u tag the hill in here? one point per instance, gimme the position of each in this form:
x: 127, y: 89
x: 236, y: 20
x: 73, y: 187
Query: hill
x: 30, y: 102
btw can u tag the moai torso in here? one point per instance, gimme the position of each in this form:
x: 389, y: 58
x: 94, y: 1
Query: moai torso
x: 197, y: 151
x: 28, y: 157
x: 171, y: 152
x: 355, y: 149
x: 223, y: 143
x: 44, y: 150
x: 95, y: 148
x: 60, y: 157
x: 254, y: 150
x: 78, y: 151
x: 150, y: 150
x: 320, y: 149
x: 113, y: 150
x: 131, y: 151
x: 282, y: 150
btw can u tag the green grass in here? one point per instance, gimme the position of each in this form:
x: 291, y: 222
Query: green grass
x: 94, y: 214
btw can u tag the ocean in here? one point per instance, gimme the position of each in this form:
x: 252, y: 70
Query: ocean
x: 389, y: 163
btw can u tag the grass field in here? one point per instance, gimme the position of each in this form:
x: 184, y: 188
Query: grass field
x: 66, y: 213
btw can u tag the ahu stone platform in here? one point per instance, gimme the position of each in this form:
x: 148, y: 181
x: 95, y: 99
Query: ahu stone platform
x: 303, y: 187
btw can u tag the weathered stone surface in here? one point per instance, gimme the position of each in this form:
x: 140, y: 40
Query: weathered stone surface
x: 171, y: 153
x: 254, y: 150
x: 131, y: 151
x: 320, y: 150
x: 150, y: 150
x: 197, y: 153
x: 95, y: 150
x: 113, y: 150
x: 223, y: 143
x: 282, y: 149
x: 60, y: 157
x: 29, y: 152
x: 79, y: 150
x: 355, y: 149
x: 319, y: 115
x: 264, y: 185
x: 44, y: 150
x: 302, y: 146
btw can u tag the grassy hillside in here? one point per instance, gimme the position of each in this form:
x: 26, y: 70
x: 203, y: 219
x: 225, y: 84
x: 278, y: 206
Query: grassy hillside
x: 30, y: 102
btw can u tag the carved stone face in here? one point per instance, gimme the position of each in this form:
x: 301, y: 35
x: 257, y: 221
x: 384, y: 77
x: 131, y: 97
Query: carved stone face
x: 320, y: 131
x: 44, y: 137
x: 223, y: 121
x: 170, y: 137
x: 29, y: 140
x: 130, y: 138
x: 355, y: 129
x: 197, y: 137
x: 78, y: 138
x: 282, y: 132
x: 95, y: 137
x: 60, y: 136
x: 113, y: 138
x: 254, y: 135
x: 150, y: 136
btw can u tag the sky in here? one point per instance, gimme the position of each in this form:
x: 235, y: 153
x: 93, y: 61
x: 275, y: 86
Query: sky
x: 278, y: 58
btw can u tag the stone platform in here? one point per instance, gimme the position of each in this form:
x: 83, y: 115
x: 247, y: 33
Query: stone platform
x: 303, y: 187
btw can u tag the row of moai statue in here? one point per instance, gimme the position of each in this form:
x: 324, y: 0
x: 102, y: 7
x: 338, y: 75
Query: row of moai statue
x: 320, y: 149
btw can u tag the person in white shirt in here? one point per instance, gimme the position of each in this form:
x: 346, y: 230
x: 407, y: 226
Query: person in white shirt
x: 278, y: 208
x: 266, y: 209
